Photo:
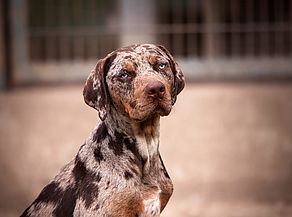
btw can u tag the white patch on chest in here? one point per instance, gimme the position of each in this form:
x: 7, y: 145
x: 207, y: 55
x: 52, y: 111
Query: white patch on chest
x: 152, y: 205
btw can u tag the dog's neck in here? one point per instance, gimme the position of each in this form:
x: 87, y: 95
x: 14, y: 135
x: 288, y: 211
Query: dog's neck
x: 146, y: 134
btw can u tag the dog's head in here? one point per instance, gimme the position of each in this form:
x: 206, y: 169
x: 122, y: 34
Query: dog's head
x: 138, y: 80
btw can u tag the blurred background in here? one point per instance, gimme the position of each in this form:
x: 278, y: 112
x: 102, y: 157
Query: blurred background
x: 228, y: 142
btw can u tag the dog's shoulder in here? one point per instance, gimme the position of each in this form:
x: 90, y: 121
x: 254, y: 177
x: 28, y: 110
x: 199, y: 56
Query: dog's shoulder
x: 59, y: 196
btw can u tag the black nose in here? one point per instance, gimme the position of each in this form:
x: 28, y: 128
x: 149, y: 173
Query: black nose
x: 155, y: 89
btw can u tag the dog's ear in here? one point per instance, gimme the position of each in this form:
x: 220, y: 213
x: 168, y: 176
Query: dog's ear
x: 179, y: 80
x: 95, y: 91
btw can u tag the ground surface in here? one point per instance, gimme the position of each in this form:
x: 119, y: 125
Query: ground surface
x: 227, y: 147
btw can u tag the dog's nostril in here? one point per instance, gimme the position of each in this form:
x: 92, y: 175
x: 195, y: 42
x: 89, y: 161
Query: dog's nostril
x: 155, y: 89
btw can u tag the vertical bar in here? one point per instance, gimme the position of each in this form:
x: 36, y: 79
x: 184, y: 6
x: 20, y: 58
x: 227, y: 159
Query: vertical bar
x: 264, y: 38
x: 5, y: 46
x: 221, y: 34
x: 227, y: 32
x: 35, y: 48
x: 275, y: 23
x: 185, y: 33
x: 170, y: 22
x: 78, y: 46
x: 234, y: 36
x: 37, y: 20
x: 242, y: 33
x: 211, y: 20
x: 287, y: 41
x: 19, y: 38
x: 83, y: 23
x: 49, y: 44
x: 290, y: 30
x: 50, y: 48
x: 250, y: 41
x: 280, y: 22
x: 190, y: 13
x: 64, y: 46
x: 92, y: 47
x: 100, y: 39
x: 77, y: 40
x: 257, y: 26
x: 63, y: 22
x: 177, y: 11
x: 3, y: 56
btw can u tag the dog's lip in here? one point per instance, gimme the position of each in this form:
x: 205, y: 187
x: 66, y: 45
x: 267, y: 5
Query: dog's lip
x: 163, y: 110
x: 153, y: 105
x: 160, y: 109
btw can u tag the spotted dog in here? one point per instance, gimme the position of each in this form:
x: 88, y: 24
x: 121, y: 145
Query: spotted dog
x: 119, y: 172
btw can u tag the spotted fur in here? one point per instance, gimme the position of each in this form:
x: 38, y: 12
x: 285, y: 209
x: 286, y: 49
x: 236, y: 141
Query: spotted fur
x: 119, y: 172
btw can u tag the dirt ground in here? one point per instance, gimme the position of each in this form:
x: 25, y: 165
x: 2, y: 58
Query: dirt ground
x: 227, y: 147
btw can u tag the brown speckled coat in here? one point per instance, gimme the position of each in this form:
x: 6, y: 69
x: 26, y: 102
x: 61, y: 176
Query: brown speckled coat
x: 118, y: 172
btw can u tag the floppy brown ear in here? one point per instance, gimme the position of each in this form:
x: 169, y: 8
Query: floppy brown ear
x: 95, y: 91
x: 179, y: 80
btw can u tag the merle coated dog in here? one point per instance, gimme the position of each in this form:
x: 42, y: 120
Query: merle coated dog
x: 119, y: 172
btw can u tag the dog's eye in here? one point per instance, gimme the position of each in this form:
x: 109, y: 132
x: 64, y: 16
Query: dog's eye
x: 161, y: 65
x: 124, y: 75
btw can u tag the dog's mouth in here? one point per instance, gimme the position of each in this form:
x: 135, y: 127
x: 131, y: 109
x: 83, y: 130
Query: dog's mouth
x: 162, y: 109
x: 147, y: 110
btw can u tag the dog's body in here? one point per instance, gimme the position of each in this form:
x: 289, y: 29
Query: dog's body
x: 118, y: 172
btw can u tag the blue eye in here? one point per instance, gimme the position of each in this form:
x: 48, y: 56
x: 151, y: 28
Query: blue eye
x: 162, y: 65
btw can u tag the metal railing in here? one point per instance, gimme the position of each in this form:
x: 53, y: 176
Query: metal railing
x: 216, y: 31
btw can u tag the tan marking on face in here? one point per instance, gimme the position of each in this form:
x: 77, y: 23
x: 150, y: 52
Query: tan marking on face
x: 130, y: 66
x: 127, y: 106
x: 152, y: 60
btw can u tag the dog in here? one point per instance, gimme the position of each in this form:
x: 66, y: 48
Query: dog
x: 118, y: 171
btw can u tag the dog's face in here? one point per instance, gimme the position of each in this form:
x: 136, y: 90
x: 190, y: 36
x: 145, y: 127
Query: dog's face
x: 139, y: 81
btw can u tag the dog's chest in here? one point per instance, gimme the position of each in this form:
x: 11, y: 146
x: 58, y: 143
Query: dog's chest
x: 143, y: 202
x: 152, y: 205
x: 124, y: 185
